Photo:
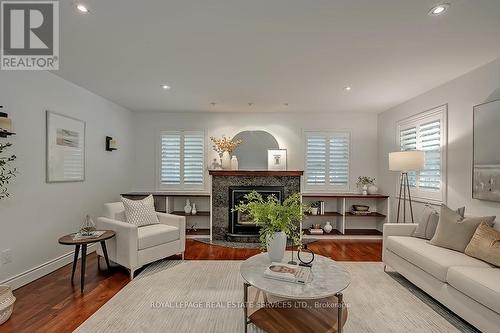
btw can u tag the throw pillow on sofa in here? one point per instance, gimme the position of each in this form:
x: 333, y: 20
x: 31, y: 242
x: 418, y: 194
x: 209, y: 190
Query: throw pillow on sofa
x: 485, y: 245
x: 454, y: 231
x: 427, y: 225
x: 140, y: 212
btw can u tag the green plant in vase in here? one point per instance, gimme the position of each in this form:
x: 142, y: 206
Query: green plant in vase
x: 276, y: 220
x: 363, y: 182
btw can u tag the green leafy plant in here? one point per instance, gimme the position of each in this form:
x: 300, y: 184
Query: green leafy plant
x: 7, y: 172
x: 363, y: 180
x: 272, y: 216
x: 315, y: 204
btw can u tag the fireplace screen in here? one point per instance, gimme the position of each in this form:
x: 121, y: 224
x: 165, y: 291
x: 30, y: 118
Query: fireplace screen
x: 242, y: 223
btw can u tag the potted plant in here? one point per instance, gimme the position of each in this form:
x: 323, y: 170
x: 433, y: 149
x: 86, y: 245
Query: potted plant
x: 315, y: 207
x: 276, y: 220
x: 7, y: 172
x: 364, y: 182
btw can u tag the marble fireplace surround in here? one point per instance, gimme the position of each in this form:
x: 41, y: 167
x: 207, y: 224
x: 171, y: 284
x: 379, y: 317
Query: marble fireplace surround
x: 222, y: 180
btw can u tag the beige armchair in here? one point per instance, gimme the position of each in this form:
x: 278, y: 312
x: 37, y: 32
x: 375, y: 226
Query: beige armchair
x: 133, y: 246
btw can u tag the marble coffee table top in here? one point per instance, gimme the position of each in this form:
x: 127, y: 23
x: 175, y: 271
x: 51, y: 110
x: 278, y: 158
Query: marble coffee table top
x: 327, y: 278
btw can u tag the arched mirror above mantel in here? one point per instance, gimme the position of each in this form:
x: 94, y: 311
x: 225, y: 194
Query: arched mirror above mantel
x: 252, y: 152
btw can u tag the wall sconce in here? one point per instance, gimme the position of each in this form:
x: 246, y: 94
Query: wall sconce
x: 5, y: 124
x: 111, y: 144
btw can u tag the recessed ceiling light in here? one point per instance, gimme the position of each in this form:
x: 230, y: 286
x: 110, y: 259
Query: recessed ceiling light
x: 165, y: 86
x: 439, y: 9
x: 347, y: 88
x: 82, y: 8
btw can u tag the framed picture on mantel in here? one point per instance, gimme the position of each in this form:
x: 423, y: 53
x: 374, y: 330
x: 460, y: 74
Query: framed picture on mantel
x: 276, y: 159
x: 65, y: 148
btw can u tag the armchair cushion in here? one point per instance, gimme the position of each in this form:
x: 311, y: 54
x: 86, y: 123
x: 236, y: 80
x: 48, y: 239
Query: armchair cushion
x: 156, y: 234
x: 140, y: 212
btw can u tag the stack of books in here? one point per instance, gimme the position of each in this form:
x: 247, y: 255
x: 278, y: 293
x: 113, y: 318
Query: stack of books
x: 316, y: 231
x: 287, y: 272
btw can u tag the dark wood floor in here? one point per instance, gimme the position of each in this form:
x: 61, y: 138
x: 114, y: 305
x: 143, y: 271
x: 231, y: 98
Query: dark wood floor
x: 52, y: 304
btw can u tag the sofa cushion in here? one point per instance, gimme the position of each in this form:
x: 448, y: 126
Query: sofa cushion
x: 140, y: 212
x: 432, y: 259
x: 480, y: 284
x: 485, y: 245
x: 156, y: 234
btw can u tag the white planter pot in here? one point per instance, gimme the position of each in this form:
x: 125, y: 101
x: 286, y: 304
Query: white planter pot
x: 372, y: 189
x: 226, y: 161
x: 364, y: 190
x: 276, y: 246
x: 314, y: 211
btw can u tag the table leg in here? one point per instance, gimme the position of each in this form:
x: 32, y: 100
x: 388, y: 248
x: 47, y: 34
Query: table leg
x: 75, y: 259
x: 84, y: 259
x: 105, y: 252
x: 340, y: 306
x: 245, y: 304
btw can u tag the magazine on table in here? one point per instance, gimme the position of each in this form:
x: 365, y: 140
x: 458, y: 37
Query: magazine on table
x: 92, y: 234
x: 287, y: 272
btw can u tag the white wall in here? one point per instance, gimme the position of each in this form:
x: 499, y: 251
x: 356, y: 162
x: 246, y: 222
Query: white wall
x: 286, y: 128
x: 461, y: 94
x: 37, y: 213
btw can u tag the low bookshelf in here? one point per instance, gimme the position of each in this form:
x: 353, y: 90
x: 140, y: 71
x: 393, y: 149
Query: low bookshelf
x: 337, y: 209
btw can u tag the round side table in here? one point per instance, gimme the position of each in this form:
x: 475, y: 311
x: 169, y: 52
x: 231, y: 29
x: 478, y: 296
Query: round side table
x: 68, y: 240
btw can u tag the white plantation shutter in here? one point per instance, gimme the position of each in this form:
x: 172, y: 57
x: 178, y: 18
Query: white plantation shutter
x: 430, y: 143
x: 339, y: 160
x: 327, y: 160
x: 427, y: 132
x: 182, y: 159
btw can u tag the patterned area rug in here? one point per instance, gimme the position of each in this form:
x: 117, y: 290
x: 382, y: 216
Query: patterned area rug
x: 205, y: 296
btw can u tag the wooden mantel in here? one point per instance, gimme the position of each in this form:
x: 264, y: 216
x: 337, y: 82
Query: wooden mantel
x: 257, y: 173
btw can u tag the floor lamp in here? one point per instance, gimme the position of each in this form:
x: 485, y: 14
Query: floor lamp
x: 405, y: 161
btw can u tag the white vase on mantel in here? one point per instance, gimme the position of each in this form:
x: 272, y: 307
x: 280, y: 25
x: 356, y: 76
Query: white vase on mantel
x: 226, y: 160
x: 276, y: 246
x: 234, y: 163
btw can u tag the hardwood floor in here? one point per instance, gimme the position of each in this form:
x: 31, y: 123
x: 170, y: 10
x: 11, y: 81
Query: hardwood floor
x: 52, y: 304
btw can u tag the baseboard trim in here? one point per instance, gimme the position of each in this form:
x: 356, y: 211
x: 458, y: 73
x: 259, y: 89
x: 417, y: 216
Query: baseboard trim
x: 39, y: 271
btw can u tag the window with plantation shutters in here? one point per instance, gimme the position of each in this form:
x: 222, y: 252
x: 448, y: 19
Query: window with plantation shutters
x: 327, y: 161
x: 182, y: 160
x: 427, y: 132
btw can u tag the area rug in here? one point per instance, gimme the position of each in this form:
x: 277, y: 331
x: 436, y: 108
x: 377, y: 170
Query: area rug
x: 205, y: 296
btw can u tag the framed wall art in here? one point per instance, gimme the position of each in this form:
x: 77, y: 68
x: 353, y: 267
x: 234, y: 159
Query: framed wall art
x: 276, y: 159
x: 65, y: 148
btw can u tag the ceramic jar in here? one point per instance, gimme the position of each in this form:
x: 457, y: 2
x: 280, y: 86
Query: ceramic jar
x: 372, y: 189
x: 187, y: 207
x: 328, y: 227
x: 193, y: 210
x: 234, y: 163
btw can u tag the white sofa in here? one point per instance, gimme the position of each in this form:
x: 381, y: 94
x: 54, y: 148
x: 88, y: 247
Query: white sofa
x: 133, y: 246
x: 467, y: 286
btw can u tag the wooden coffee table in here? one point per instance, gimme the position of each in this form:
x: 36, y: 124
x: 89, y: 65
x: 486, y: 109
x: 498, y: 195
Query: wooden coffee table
x: 316, y: 306
x: 68, y: 240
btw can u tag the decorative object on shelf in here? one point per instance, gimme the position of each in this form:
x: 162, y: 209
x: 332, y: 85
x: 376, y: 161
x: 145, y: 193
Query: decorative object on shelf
x: 224, y: 147
x: 276, y: 159
x: 7, y: 172
x: 486, y: 165
x: 328, y: 227
x: 216, y: 165
x: 7, y: 301
x: 5, y: 124
x: 372, y: 189
x: 187, y: 207
x: 360, y: 208
x: 88, y: 226
x: 405, y: 161
x: 193, y: 210
x: 65, y: 148
x: 234, y: 163
x: 321, y: 208
x: 111, y: 144
x: 315, y: 207
x: 306, y: 256
x: 316, y: 231
x: 225, y: 161
x: 276, y: 220
x: 363, y: 182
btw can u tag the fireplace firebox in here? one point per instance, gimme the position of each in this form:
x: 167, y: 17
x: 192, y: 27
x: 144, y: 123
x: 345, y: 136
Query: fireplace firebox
x: 242, y: 224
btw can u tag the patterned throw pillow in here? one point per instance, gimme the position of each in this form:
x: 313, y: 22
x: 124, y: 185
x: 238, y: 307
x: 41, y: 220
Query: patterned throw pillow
x: 485, y: 245
x: 140, y: 212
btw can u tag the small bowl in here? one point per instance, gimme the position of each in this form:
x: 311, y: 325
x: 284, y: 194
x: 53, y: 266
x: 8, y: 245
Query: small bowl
x: 360, y: 208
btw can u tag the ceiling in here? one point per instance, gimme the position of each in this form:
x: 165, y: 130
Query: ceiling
x: 272, y: 52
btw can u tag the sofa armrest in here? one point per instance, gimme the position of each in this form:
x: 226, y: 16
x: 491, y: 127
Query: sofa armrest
x: 175, y: 221
x: 126, y: 242
x: 398, y: 229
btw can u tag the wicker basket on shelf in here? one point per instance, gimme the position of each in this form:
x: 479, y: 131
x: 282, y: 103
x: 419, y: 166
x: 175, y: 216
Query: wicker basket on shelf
x: 7, y: 300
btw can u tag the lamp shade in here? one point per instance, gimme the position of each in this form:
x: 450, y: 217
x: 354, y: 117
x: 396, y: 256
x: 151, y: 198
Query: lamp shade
x: 412, y: 160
